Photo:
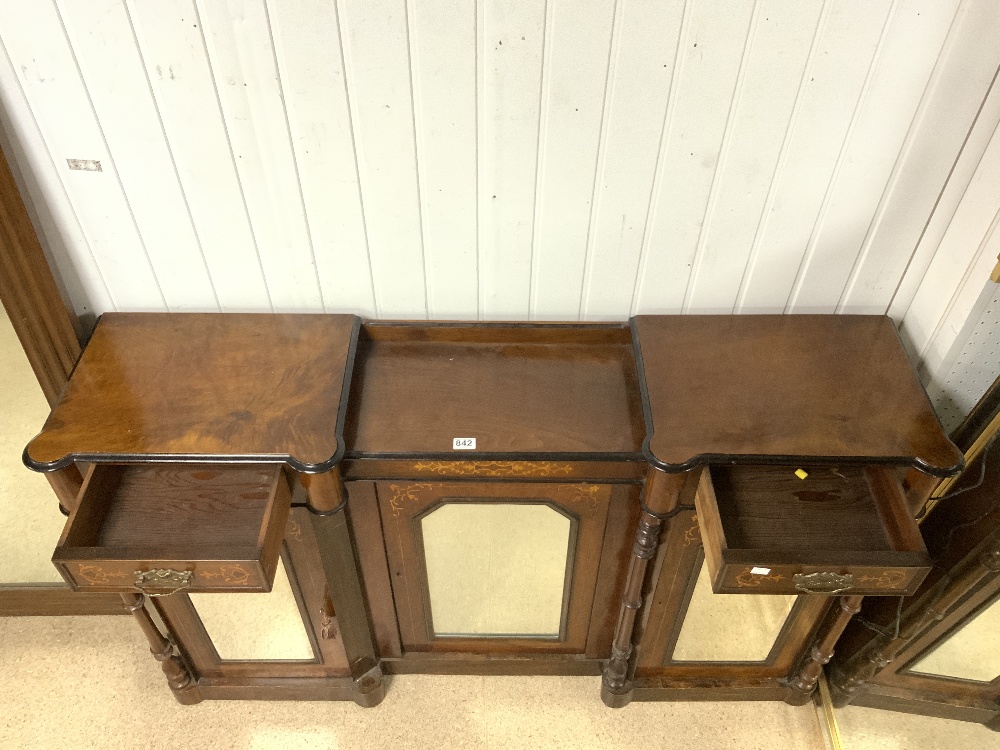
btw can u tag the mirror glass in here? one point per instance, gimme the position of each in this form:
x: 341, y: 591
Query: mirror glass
x: 256, y: 626
x: 730, y: 627
x: 30, y: 521
x: 971, y: 653
x: 496, y: 569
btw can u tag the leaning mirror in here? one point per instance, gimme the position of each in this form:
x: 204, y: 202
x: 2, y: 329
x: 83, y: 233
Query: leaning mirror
x: 29, y: 515
x: 970, y: 653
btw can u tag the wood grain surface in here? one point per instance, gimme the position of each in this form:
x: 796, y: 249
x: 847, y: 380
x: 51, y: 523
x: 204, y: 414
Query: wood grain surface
x: 515, y: 389
x: 203, y: 385
x: 759, y: 388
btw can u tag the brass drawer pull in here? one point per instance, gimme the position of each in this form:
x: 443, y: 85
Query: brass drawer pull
x: 163, y: 578
x: 822, y: 583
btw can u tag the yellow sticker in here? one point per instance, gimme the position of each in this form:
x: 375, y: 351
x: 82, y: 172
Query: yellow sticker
x: 801, y: 473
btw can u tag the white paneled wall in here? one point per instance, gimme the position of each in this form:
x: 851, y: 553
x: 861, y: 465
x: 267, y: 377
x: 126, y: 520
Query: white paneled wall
x: 543, y: 159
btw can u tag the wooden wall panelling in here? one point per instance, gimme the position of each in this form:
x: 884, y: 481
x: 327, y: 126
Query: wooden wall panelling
x: 961, y: 266
x: 511, y: 44
x: 965, y: 67
x: 575, y: 65
x: 376, y: 57
x: 644, y: 61
x: 773, y: 74
x: 310, y: 64
x: 172, y: 46
x: 48, y: 73
x: 111, y: 67
x: 444, y: 77
x: 902, y: 65
x: 941, y: 222
x: 840, y: 60
x: 764, y: 169
x: 710, y: 70
x: 58, y: 229
x: 238, y: 39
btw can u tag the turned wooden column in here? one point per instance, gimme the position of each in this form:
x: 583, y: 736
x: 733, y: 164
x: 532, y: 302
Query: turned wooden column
x: 919, y: 487
x: 66, y: 484
x: 849, y: 678
x: 327, y: 503
x: 178, y: 677
x: 802, y: 684
x: 660, y: 499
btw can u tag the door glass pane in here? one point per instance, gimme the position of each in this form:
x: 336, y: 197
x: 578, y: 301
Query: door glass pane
x: 256, y: 626
x: 496, y: 569
x: 30, y: 521
x: 971, y: 653
x: 730, y: 627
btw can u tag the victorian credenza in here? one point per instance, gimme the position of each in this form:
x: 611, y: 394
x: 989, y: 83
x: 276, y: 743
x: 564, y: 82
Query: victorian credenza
x: 690, y: 507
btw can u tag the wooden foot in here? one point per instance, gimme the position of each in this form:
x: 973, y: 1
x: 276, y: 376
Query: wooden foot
x: 614, y: 699
x: 993, y: 723
x: 371, y: 688
x: 802, y: 684
x: 178, y: 677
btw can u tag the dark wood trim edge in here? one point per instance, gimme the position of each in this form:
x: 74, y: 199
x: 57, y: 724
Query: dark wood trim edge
x: 38, y: 600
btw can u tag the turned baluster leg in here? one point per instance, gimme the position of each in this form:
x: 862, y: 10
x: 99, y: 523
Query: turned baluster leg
x: 162, y: 649
x: 849, y: 678
x: 802, y: 684
x: 919, y: 487
x: 327, y: 504
x: 660, y: 499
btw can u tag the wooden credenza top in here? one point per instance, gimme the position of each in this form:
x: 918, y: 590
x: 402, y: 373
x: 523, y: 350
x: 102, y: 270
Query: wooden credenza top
x: 522, y: 391
x: 760, y: 388
x: 164, y: 386
x: 681, y: 391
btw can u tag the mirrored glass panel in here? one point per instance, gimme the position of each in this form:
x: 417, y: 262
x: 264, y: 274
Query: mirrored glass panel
x: 256, y: 626
x: 496, y: 569
x: 971, y: 653
x: 730, y: 627
x: 30, y: 521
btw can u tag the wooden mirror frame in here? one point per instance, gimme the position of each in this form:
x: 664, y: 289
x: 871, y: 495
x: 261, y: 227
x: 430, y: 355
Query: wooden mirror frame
x: 47, y: 333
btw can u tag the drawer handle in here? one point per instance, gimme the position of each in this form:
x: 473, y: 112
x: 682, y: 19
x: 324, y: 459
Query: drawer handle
x: 163, y: 578
x: 822, y: 583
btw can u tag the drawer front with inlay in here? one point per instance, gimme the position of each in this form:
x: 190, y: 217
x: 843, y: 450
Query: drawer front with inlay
x: 160, y: 528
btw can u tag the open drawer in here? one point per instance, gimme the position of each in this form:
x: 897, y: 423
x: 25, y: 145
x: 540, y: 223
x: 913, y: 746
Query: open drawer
x: 160, y: 528
x: 838, y: 530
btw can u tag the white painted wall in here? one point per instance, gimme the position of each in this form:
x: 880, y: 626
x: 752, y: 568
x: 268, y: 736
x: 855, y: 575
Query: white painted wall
x: 544, y: 159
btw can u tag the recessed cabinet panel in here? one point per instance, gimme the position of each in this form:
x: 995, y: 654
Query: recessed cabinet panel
x: 971, y: 653
x: 496, y: 569
x: 493, y: 567
x: 729, y: 627
x: 256, y: 627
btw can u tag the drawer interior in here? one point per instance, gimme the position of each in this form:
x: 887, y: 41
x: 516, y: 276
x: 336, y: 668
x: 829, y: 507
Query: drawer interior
x: 202, y: 511
x: 770, y: 508
x: 766, y: 530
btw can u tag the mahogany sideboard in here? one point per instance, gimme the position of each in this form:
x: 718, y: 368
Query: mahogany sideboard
x: 498, y: 498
